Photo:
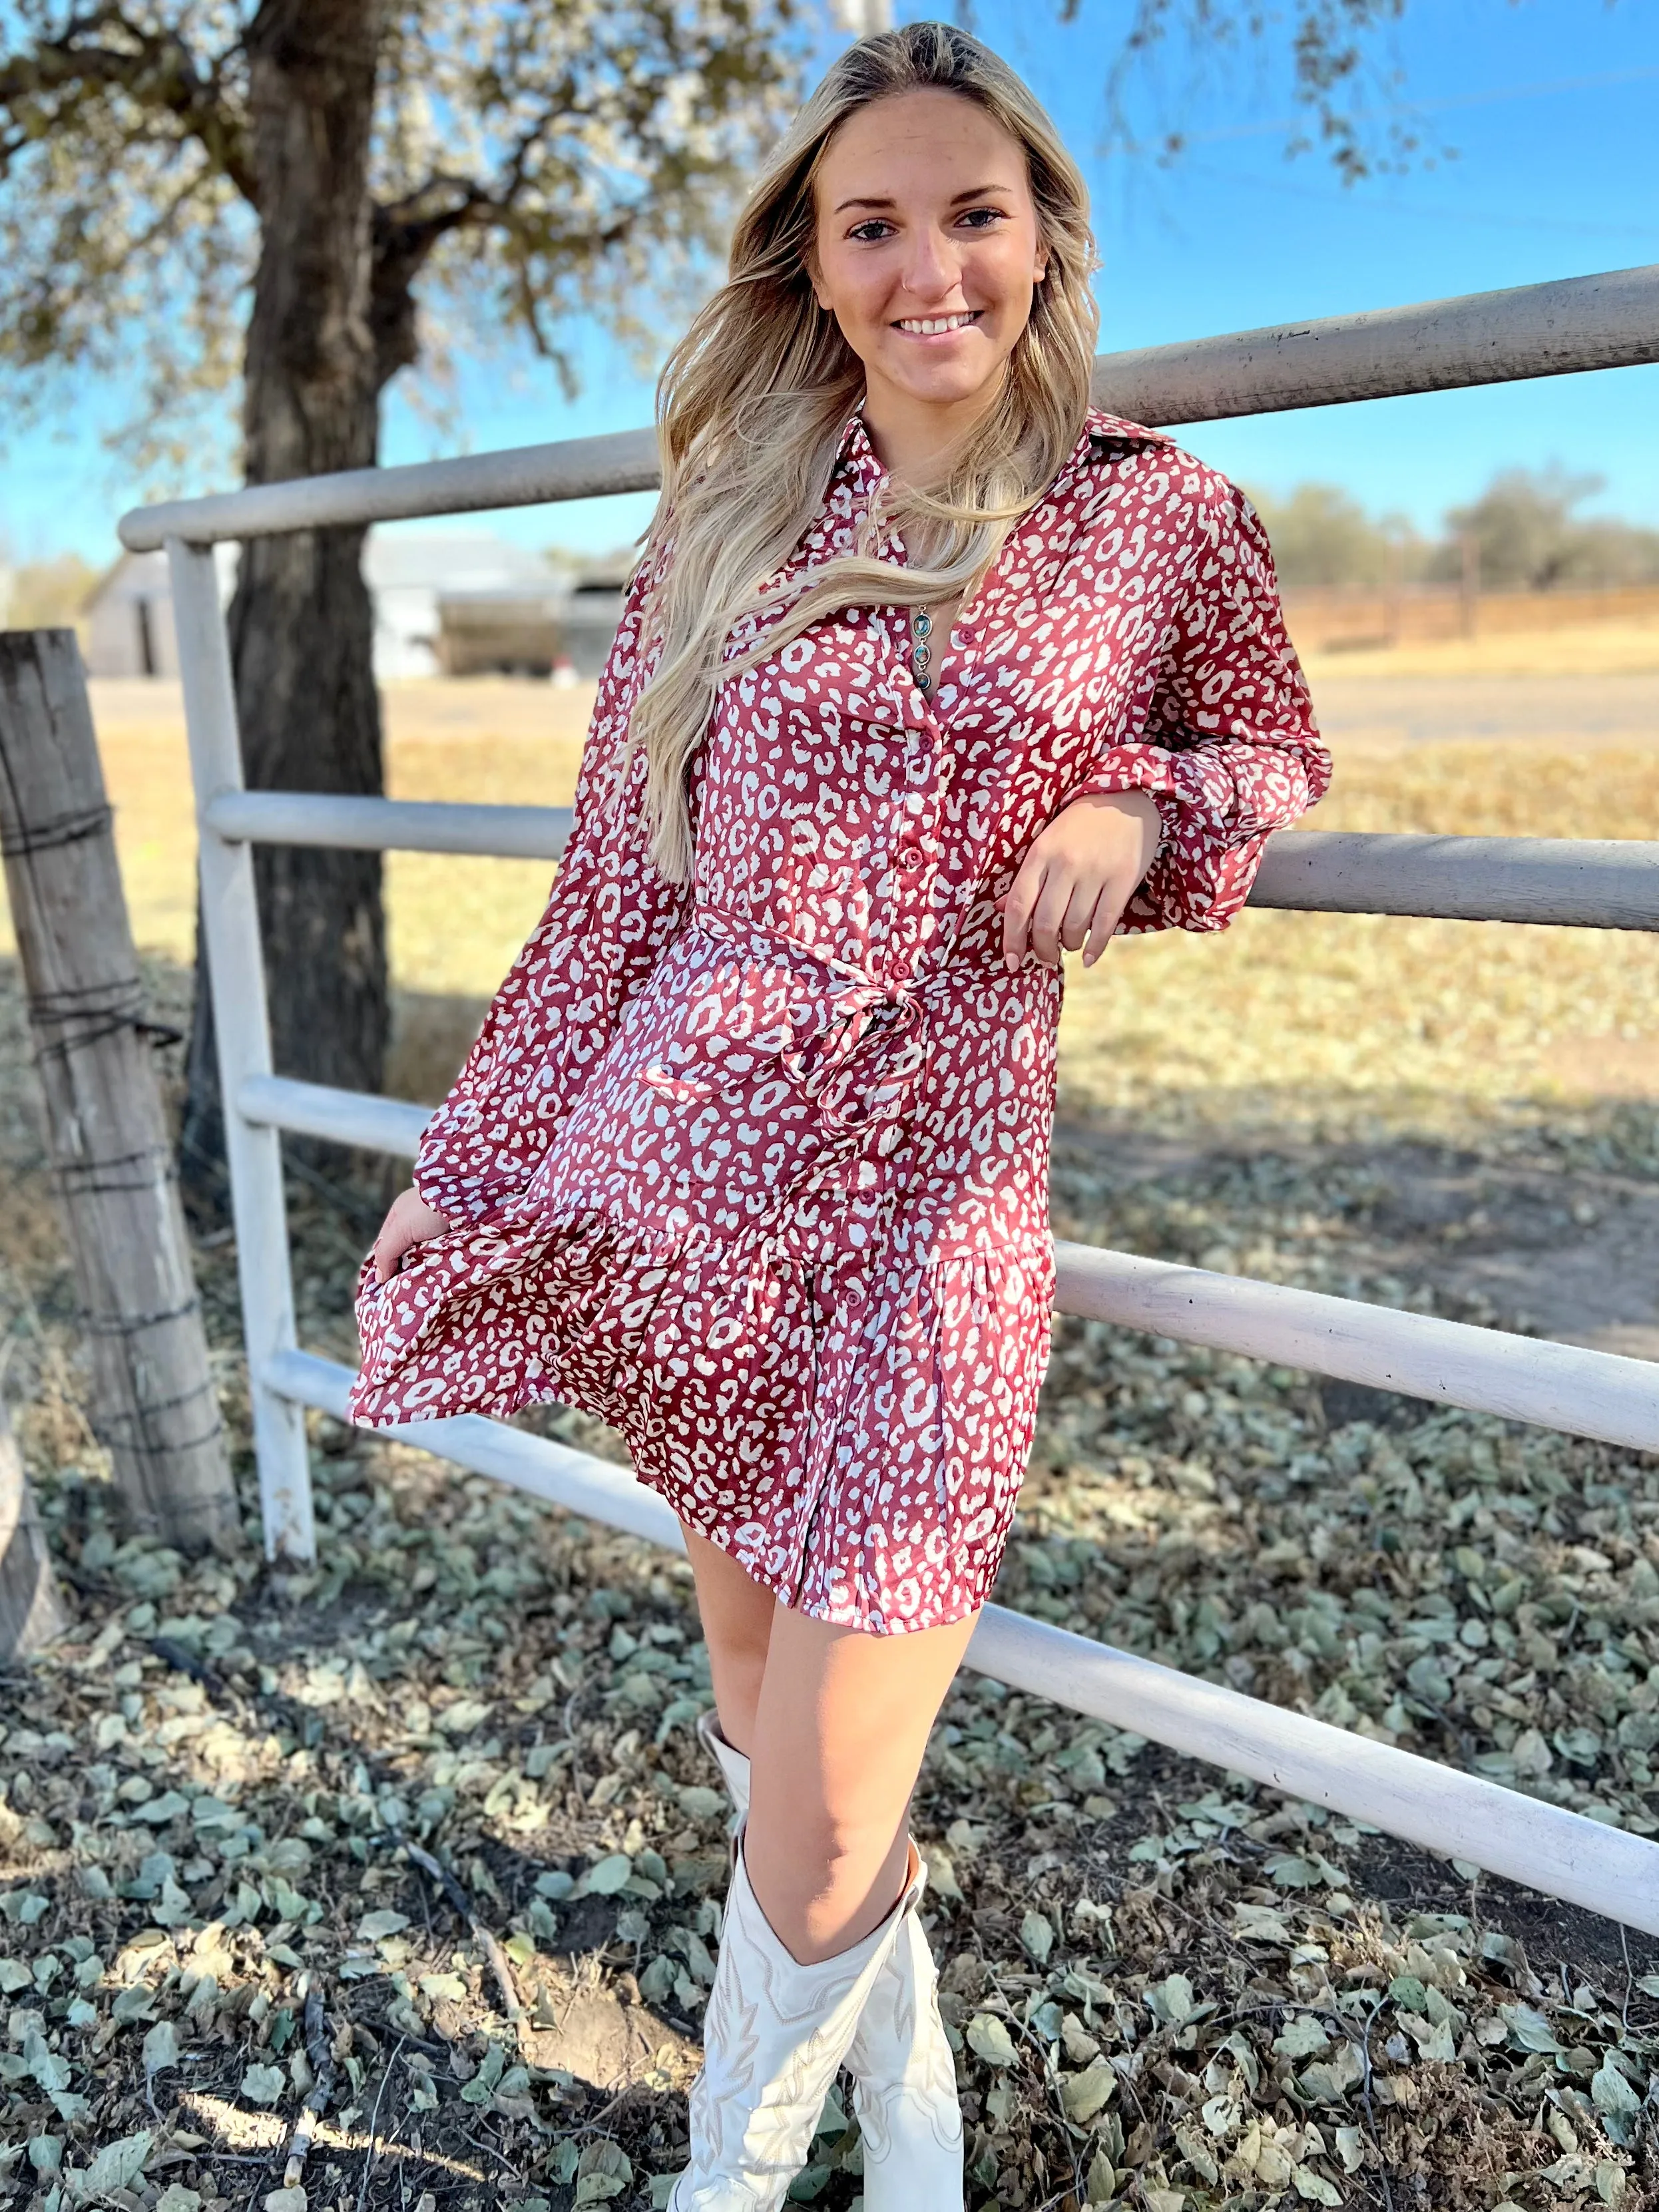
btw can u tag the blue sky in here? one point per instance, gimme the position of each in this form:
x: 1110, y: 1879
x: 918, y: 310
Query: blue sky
x: 1549, y: 104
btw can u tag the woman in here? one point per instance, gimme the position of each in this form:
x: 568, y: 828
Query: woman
x: 929, y: 674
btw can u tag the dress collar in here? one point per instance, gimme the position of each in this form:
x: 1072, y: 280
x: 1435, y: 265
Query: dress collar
x: 857, y: 466
x: 855, y: 457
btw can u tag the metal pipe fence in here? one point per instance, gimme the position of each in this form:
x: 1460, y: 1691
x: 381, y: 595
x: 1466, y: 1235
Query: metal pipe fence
x: 1585, y: 323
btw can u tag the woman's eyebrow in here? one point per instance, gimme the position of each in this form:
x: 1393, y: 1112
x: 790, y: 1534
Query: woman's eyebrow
x: 974, y: 192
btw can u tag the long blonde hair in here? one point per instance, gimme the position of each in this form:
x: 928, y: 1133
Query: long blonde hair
x: 752, y: 403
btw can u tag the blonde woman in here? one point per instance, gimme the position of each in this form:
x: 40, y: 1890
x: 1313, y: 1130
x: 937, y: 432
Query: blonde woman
x: 928, y: 675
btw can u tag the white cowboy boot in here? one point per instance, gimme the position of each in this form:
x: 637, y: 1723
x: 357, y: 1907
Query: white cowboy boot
x: 904, y: 2077
x: 775, y: 2035
x: 905, y: 2081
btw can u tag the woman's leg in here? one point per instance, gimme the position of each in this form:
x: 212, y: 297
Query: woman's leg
x: 737, y: 1626
x: 821, y: 1952
x: 843, y: 1722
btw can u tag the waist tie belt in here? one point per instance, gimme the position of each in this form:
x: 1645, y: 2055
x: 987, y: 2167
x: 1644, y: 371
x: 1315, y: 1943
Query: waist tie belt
x: 853, y: 1044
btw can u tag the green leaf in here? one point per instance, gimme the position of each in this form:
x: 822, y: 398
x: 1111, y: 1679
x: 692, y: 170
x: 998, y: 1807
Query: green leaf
x: 14, y: 1975
x: 374, y: 1925
x: 1612, y: 2093
x: 1313, y: 2186
x: 1529, y: 2029
x: 1036, y: 1934
x: 603, y: 2171
x: 443, y: 1985
x: 118, y: 2164
x: 1087, y: 2093
x: 611, y: 1875
x: 1302, y: 2037
x: 175, y: 2198
x: 49, y: 2069
x: 161, y: 2047
x: 1173, y: 1999
x: 263, y: 2084
x: 1291, y: 1870
x: 1260, y: 1923
x: 1328, y: 2081
x: 989, y: 2039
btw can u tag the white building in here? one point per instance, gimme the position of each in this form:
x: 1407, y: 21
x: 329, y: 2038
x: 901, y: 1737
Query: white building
x: 455, y: 604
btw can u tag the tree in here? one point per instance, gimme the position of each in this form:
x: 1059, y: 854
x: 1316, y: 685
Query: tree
x: 1322, y: 535
x: 278, y: 189
x: 1530, y: 537
x: 278, y: 186
x: 44, y: 594
x: 1339, y: 86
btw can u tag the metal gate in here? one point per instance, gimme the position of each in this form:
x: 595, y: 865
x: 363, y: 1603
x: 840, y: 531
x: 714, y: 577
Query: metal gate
x: 1545, y: 329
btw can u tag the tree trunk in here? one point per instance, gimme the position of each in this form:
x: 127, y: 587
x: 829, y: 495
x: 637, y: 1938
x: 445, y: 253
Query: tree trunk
x: 31, y: 1611
x: 301, y: 624
x: 154, y: 1402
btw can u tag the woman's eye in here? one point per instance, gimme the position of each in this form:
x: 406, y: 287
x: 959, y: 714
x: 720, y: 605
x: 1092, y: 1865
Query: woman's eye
x: 982, y: 218
x: 871, y: 232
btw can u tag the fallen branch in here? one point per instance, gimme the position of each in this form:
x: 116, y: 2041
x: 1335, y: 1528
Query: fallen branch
x: 321, y: 2056
x: 456, y: 1898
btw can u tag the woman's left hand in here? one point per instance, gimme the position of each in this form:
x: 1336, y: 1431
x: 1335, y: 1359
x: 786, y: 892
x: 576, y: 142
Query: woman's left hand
x: 1078, y: 876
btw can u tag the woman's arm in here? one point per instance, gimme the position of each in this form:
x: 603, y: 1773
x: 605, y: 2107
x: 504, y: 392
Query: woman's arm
x: 1078, y: 876
x: 1230, y: 751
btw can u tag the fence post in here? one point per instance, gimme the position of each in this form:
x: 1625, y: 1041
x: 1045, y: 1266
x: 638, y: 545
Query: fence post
x: 235, y: 965
x: 154, y: 1405
x: 31, y: 1612
x: 1469, y: 546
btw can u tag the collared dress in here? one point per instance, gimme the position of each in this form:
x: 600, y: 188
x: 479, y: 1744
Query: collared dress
x: 755, y: 1168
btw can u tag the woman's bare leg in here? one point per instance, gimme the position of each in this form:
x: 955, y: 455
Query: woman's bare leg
x: 834, y: 1722
x: 737, y: 1626
x: 843, y: 1722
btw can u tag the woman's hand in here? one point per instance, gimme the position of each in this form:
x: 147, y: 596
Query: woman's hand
x: 1078, y: 876
x: 410, y: 1221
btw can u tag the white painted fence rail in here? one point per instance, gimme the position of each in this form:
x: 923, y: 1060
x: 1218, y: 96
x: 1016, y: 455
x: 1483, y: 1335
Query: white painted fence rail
x: 1547, y: 330
x: 1581, y: 882
x: 1608, y: 321
x: 1449, y: 1363
x: 1467, y: 1818
x: 388, y: 825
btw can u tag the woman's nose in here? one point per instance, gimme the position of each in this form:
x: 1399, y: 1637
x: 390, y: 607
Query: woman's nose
x: 931, y: 269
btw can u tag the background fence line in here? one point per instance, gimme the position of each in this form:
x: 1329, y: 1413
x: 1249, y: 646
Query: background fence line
x: 1584, y: 883
x: 1585, y: 323
x: 1608, y: 321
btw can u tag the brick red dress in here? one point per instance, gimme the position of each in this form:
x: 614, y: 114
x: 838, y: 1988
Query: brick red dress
x: 755, y: 1168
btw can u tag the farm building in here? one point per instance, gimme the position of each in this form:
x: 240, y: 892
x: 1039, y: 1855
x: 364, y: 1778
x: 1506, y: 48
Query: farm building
x: 454, y: 605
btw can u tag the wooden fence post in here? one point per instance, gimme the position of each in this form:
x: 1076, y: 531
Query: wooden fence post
x: 154, y: 1403
x: 31, y: 1612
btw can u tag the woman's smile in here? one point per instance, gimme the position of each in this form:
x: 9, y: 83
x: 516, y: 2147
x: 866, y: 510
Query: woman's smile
x: 938, y: 326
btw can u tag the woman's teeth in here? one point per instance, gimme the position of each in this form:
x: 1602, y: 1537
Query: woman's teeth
x: 932, y: 325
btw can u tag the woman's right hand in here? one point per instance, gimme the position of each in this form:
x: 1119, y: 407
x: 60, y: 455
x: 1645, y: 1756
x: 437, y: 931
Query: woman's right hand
x: 410, y: 1221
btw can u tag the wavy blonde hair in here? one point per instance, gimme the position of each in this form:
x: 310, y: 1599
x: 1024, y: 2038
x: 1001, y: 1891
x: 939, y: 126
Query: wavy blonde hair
x: 752, y: 403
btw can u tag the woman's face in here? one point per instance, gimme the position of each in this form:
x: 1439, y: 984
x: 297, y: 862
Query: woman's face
x: 927, y: 250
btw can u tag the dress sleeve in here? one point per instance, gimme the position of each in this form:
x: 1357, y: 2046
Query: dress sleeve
x: 1230, y: 750
x: 609, y: 920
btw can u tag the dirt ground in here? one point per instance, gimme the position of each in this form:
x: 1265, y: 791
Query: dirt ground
x: 429, y: 1823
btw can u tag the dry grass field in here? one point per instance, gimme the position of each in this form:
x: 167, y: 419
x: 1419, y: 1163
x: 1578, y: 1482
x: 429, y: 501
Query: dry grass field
x: 1171, y: 1991
x: 1292, y: 1015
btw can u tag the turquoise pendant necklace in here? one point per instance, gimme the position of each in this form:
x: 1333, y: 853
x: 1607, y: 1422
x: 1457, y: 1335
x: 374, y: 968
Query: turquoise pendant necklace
x: 922, y: 652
